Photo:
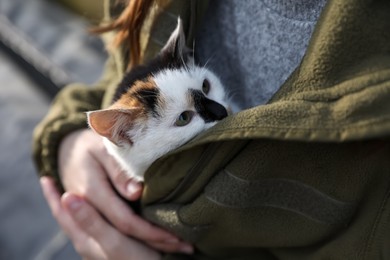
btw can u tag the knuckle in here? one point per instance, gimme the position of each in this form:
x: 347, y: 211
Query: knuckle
x: 87, y: 224
x: 84, y: 221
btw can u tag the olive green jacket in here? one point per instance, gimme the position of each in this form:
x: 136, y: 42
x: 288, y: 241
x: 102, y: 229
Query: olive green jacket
x: 306, y: 176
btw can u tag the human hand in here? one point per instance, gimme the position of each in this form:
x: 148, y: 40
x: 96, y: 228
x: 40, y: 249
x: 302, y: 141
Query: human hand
x: 88, y: 171
x: 92, y: 236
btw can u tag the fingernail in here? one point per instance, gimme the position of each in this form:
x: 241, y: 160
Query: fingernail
x: 75, y: 204
x: 187, y: 249
x: 132, y: 188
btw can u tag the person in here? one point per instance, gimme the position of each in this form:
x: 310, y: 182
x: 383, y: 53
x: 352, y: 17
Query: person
x: 302, y: 172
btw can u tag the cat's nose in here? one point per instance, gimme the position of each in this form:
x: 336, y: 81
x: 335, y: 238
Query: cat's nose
x: 208, y: 109
x: 216, y: 110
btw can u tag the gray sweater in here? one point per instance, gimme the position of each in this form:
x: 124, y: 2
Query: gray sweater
x: 254, y: 45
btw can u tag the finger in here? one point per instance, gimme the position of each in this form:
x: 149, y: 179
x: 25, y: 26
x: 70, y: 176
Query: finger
x: 127, y: 187
x: 102, y: 196
x: 51, y: 194
x: 53, y: 198
x: 79, y: 239
x: 134, y: 190
x: 113, y: 243
x: 181, y: 247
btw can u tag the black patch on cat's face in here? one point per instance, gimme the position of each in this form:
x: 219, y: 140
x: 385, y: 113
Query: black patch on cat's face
x: 149, y: 98
x: 174, y: 55
x: 161, y: 62
x: 208, y: 109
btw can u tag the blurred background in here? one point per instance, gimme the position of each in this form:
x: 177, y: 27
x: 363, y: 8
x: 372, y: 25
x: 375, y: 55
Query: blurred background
x: 44, y: 45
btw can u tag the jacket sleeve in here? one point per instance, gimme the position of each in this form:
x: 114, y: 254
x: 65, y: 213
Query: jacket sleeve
x: 67, y: 114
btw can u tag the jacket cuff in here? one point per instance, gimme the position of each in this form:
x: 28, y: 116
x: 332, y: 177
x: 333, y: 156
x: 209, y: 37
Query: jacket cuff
x: 47, y: 141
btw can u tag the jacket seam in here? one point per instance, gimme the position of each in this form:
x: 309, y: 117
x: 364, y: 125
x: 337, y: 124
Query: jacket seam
x: 324, y: 128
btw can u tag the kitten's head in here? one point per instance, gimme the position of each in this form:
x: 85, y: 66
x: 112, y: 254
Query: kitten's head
x: 162, y: 105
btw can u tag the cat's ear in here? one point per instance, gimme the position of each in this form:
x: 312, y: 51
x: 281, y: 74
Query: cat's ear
x: 176, y: 48
x: 113, y: 123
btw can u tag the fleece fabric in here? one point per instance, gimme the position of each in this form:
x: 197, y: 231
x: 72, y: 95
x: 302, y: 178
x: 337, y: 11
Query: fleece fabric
x: 259, y: 44
x: 305, y: 176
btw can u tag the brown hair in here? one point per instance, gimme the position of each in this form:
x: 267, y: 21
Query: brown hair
x: 128, y: 28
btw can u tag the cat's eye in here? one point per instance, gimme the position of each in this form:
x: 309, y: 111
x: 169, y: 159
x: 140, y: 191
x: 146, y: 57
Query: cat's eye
x: 184, y: 118
x: 206, y: 86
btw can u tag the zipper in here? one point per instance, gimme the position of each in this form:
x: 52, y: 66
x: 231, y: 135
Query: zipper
x: 193, y: 172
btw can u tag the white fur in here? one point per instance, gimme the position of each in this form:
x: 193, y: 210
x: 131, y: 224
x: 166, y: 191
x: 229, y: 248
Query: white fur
x: 157, y: 136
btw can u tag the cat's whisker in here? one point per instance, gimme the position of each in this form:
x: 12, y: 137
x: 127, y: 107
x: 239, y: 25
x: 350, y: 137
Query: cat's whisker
x: 154, y: 107
x: 208, y: 60
x: 185, y: 65
x: 193, y: 52
x: 232, y: 94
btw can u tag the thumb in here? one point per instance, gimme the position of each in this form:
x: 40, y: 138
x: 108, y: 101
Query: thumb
x: 126, y: 186
x: 129, y: 188
x: 133, y: 190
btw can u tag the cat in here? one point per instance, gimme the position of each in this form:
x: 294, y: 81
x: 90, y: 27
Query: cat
x: 160, y: 106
